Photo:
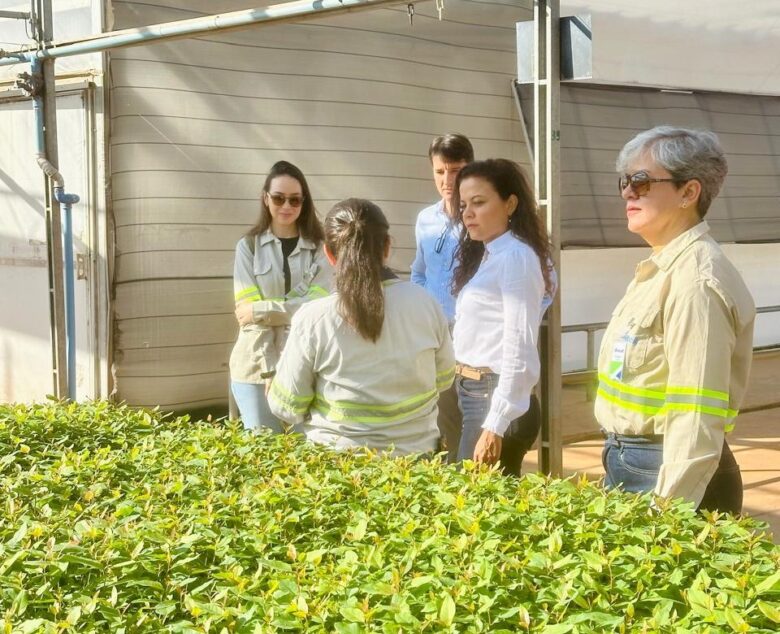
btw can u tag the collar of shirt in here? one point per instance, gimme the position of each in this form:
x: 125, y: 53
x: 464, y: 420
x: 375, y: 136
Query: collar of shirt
x: 303, y: 243
x: 502, y: 242
x: 666, y: 257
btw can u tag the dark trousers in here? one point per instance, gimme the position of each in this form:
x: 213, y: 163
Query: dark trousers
x: 474, y: 397
x: 633, y: 463
x: 449, y: 422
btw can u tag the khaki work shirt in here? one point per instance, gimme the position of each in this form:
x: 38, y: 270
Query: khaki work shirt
x: 345, y: 391
x: 676, y: 356
x: 259, y: 278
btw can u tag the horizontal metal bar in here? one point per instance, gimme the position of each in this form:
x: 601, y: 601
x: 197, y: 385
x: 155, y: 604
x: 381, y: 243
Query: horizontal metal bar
x: 195, y: 26
x: 594, y: 327
x: 14, y: 15
x: 601, y: 325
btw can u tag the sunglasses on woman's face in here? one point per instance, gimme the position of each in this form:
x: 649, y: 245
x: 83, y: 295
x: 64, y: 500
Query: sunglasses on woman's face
x: 640, y: 182
x: 279, y: 199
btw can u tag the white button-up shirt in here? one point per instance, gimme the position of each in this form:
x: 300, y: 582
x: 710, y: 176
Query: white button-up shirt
x: 497, y: 321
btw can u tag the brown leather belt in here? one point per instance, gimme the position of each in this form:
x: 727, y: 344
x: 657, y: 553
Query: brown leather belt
x: 468, y: 372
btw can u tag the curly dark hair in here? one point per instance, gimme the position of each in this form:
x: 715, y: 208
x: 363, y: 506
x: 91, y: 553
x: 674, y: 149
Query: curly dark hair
x: 508, y: 179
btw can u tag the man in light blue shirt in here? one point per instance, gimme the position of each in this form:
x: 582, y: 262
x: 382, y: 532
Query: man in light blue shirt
x: 436, y: 233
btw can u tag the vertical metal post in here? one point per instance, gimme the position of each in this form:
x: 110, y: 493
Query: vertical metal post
x: 53, y: 215
x: 590, y: 389
x: 547, y: 182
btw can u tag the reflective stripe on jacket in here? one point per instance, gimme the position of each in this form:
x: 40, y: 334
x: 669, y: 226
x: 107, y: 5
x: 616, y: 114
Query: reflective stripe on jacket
x: 347, y: 391
x: 259, y: 278
x: 676, y: 356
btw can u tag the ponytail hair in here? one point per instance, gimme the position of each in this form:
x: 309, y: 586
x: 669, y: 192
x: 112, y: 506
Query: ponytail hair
x: 356, y: 233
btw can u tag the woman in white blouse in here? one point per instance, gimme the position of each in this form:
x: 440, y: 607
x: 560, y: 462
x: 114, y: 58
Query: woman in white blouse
x: 504, y: 283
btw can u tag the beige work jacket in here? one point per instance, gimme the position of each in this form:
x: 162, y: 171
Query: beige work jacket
x: 259, y: 278
x: 676, y: 356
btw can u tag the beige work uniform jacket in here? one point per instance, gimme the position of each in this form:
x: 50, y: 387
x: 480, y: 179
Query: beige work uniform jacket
x: 259, y: 278
x: 676, y: 356
x: 345, y: 391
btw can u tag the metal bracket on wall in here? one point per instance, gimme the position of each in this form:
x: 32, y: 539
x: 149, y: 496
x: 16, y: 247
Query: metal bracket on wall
x: 81, y: 266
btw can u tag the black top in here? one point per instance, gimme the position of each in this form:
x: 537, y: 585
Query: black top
x: 288, y: 246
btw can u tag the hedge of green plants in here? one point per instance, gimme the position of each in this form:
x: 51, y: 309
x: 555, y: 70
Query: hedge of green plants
x: 119, y: 520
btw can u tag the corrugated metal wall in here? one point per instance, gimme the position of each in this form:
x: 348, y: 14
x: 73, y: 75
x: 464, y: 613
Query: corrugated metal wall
x: 596, y: 123
x: 195, y: 125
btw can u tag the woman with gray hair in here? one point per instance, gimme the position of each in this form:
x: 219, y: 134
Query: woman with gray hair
x: 675, y: 358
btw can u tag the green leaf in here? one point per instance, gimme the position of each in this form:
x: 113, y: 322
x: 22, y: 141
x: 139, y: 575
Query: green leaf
x: 74, y: 615
x: 736, y: 622
x: 770, y: 611
x: 447, y: 610
x: 30, y: 626
x: 358, y: 530
x: 352, y: 614
x: 770, y: 585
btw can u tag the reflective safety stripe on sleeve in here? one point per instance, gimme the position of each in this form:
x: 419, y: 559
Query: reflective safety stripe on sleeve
x: 317, y: 291
x: 251, y: 293
x: 691, y: 399
x: 288, y: 400
x: 445, y: 378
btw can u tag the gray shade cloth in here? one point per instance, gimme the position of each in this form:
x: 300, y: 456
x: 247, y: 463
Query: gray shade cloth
x: 597, y: 121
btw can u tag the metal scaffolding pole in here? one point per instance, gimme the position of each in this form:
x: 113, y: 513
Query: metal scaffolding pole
x: 53, y: 212
x: 547, y: 137
x: 285, y: 12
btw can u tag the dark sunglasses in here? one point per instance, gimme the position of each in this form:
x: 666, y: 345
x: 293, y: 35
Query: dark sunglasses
x: 640, y: 182
x: 279, y: 200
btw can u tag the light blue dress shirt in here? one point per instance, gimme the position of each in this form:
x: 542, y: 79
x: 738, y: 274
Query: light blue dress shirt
x: 437, y: 238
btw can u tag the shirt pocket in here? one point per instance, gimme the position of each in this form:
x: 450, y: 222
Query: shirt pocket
x: 642, y: 337
x: 264, y: 274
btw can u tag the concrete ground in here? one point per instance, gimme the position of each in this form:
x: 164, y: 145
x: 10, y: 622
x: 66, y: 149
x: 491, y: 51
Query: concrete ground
x: 755, y: 441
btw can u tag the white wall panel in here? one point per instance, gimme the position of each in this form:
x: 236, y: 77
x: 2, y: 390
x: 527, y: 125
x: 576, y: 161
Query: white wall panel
x: 717, y: 45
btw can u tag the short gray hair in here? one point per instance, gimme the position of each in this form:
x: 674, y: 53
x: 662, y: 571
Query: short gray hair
x: 686, y: 154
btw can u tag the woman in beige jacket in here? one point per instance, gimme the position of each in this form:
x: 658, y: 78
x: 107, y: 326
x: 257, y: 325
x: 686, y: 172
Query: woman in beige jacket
x: 279, y: 266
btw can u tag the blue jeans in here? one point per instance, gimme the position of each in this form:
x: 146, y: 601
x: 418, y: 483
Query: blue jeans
x: 633, y: 463
x: 474, y: 398
x: 253, y: 405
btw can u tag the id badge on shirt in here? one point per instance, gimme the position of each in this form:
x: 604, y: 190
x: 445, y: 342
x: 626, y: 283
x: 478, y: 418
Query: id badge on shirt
x: 618, y: 358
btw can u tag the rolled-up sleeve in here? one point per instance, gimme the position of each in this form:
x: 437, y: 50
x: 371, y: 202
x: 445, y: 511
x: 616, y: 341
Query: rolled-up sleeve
x: 522, y: 292
x: 699, y: 341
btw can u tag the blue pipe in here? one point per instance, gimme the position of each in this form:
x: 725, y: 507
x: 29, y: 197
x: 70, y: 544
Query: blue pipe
x: 67, y: 201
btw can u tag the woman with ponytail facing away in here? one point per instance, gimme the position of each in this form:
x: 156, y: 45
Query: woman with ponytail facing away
x: 364, y: 366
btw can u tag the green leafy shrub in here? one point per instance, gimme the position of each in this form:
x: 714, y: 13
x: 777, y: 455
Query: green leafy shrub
x: 118, y: 520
